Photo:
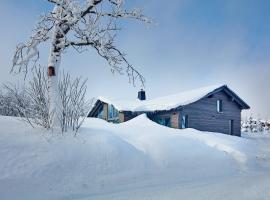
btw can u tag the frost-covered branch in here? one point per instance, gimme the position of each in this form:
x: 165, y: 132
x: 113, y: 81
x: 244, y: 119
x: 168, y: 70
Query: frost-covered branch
x: 29, y: 52
x: 134, y: 14
x: 81, y: 25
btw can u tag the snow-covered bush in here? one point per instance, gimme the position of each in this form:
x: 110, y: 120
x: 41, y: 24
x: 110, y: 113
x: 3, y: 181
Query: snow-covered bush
x: 244, y: 126
x: 32, y: 102
x: 260, y: 125
x: 74, y: 106
x: 10, y: 99
x: 255, y: 125
x: 5, y: 105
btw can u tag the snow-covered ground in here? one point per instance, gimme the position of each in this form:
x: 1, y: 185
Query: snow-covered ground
x: 138, y: 159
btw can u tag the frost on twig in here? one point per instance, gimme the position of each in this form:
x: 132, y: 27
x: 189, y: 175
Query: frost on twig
x: 32, y: 102
x: 81, y: 25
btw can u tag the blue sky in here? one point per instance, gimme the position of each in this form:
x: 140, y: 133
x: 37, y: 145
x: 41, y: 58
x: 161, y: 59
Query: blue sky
x: 195, y: 43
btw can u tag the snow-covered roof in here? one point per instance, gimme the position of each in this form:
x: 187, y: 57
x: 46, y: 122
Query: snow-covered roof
x: 163, y: 103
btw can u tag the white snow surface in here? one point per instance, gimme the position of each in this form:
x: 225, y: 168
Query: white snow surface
x: 161, y: 103
x: 138, y: 159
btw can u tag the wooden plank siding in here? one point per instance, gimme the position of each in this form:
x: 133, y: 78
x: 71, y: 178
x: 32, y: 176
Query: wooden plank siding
x: 203, y: 115
x: 121, y: 117
x: 105, y: 111
x: 173, y: 115
x: 128, y: 115
x: 175, y: 120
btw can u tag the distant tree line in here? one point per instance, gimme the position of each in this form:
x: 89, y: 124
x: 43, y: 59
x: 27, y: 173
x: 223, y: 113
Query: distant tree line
x: 253, y: 125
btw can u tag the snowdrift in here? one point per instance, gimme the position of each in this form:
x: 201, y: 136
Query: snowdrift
x: 138, y: 159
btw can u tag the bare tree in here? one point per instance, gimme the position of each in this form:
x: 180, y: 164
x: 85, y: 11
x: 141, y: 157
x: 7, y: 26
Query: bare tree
x: 32, y: 103
x: 19, y: 102
x: 78, y: 24
x: 9, y: 99
x: 6, y: 108
x: 75, y: 107
x: 38, y: 95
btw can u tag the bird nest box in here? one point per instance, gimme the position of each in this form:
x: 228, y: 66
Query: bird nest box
x: 51, y: 71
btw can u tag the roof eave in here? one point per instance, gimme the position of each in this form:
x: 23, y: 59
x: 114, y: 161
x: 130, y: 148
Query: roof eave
x: 238, y: 100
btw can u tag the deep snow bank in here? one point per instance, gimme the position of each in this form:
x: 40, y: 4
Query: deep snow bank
x: 115, y: 160
x: 157, y: 140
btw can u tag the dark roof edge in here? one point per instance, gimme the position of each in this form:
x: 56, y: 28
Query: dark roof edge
x: 94, y: 108
x: 238, y: 100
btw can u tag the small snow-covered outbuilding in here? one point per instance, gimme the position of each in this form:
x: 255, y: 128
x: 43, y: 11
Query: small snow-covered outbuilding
x: 213, y: 109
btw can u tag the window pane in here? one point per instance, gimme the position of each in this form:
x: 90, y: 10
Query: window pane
x: 113, y: 114
x: 167, y: 122
x: 184, y: 121
x: 100, y: 113
x: 219, y: 105
x: 164, y: 121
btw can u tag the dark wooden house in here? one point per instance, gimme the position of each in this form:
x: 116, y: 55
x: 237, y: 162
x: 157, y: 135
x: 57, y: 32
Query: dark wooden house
x: 213, y: 109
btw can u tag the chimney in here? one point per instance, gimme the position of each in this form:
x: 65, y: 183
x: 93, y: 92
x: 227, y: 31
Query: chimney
x: 141, y: 95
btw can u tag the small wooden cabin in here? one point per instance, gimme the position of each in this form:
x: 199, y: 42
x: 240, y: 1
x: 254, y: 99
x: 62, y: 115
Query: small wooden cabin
x: 213, y: 109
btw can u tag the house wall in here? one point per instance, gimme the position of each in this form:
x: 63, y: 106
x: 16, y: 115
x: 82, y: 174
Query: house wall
x: 175, y: 120
x: 203, y: 115
x: 105, y: 111
x: 173, y: 115
x: 121, y: 117
x: 128, y: 115
x: 94, y: 112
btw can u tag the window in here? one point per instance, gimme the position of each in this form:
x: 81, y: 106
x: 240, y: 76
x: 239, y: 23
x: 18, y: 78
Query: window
x: 184, y: 121
x: 100, y: 113
x: 219, y: 106
x: 113, y: 114
x: 165, y: 121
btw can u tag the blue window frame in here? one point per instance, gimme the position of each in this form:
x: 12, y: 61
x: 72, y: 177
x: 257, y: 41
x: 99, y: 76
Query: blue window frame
x: 100, y: 113
x: 184, y: 121
x: 165, y: 121
x: 113, y: 114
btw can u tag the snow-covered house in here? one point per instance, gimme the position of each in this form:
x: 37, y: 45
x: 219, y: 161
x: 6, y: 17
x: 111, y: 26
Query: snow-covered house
x: 214, y: 109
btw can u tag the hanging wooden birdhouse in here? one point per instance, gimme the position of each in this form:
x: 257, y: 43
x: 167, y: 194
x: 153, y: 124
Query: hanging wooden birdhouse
x: 51, y: 71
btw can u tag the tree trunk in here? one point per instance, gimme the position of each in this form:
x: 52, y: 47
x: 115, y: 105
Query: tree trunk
x: 53, y: 73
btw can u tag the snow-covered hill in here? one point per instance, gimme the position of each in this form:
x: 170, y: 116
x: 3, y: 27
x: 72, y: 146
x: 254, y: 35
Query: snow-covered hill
x: 134, y: 160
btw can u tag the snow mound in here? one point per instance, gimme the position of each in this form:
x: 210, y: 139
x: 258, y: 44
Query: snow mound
x: 220, y: 142
x: 132, y: 160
